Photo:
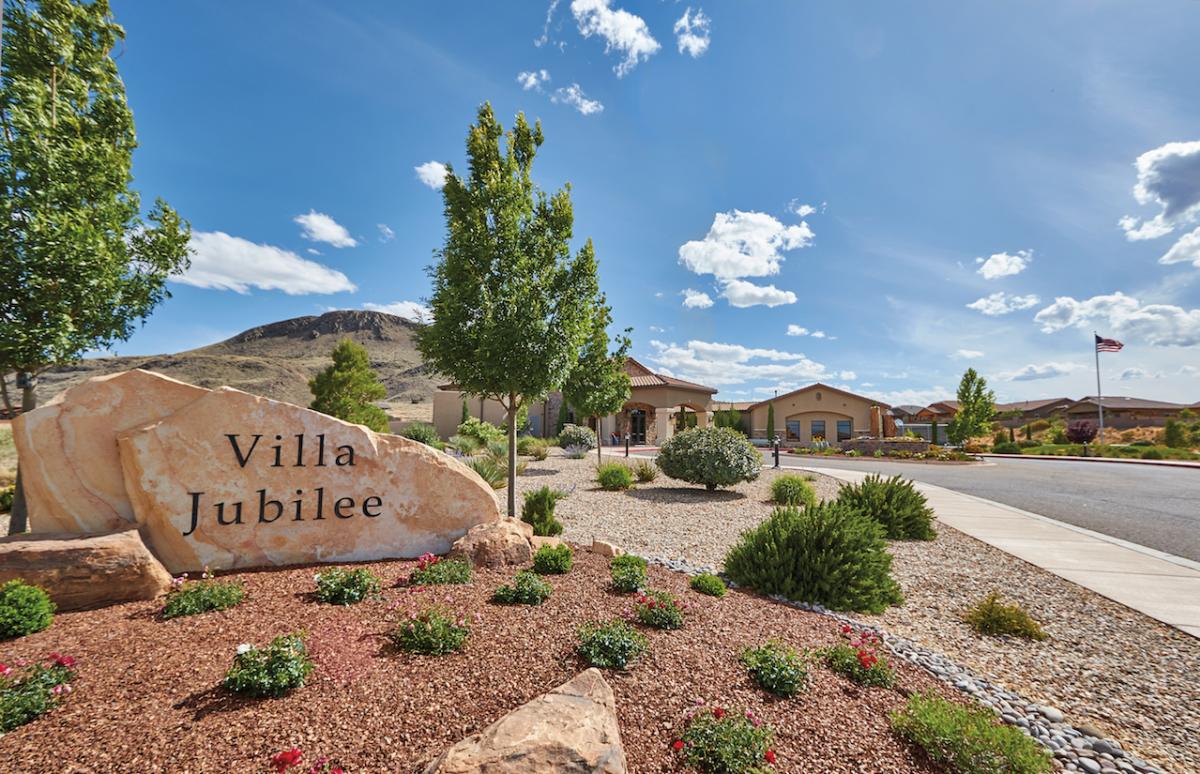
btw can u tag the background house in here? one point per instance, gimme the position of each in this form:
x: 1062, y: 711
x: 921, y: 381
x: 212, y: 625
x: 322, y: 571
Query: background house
x: 1043, y: 408
x: 819, y: 411
x: 1122, y: 412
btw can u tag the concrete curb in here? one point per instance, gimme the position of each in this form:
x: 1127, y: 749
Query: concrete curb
x: 1065, y: 458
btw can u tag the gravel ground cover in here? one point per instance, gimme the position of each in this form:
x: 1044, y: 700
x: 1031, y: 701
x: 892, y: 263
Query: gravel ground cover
x: 147, y: 695
x: 1107, y: 667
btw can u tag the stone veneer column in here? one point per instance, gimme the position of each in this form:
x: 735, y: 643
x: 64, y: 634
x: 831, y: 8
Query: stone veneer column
x: 662, y: 426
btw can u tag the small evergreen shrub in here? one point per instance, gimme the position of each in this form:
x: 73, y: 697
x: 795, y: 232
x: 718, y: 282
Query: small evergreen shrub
x: 202, y: 596
x: 493, y: 472
x: 434, y: 570
x: 968, y: 740
x: 660, y: 609
x: 433, y: 631
x: 712, y: 456
x: 791, y: 489
x: 991, y: 616
x: 894, y: 503
x: 1006, y: 447
x: 577, y: 435
x: 34, y: 690
x: 7, y: 495
x: 423, y: 432
x: 553, y: 560
x: 628, y: 573
x: 484, y: 432
x: 24, y: 609
x: 575, y: 451
x: 776, y: 667
x: 705, y: 583
x: 859, y: 659
x: 829, y: 554
x: 718, y: 742
x: 611, y: 645
x: 1151, y: 454
x: 645, y: 471
x: 526, y: 589
x: 538, y: 511
x: 1174, y: 434
x: 614, y: 476
x: 273, y: 670
x: 339, y: 586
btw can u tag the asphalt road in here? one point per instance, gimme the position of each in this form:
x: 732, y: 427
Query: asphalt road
x: 1154, y: 506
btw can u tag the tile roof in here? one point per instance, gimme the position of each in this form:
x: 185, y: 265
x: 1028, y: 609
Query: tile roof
x: 1030, y: 405
x: 1122, y: 402
x: 641, y: 376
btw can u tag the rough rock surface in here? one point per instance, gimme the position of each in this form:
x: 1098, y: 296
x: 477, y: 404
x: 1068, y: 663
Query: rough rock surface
x: 496, y: 544
x: 235, y: 480
x: 83, y: 571
x: 573, y: 728
x: 604, y: 548
x: 70, y: 468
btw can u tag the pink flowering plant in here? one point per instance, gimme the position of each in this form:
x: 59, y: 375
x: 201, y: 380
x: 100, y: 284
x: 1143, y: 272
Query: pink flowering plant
x: 293, y: 760
x: 28, y: 691
x: 272, y: 670
x: 720, y: 742
x: 776, y: 667
x: 430, y: 629
x: 859, y: 658
x: 192, y: 597
x: 434, y: 570
x: 659, y: 609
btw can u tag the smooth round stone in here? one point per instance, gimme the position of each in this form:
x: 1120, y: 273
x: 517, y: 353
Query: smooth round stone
x: 1089, y: 765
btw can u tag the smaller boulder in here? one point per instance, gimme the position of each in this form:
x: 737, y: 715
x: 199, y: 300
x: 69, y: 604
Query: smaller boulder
x: 605, y: 549
x: 496, y: 544
x: 573, y: 728
x: 544, y: 540
x: 84, y: 571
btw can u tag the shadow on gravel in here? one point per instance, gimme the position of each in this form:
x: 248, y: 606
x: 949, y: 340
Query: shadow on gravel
x: 214, y: 699
x: 534, y: 472
x: 684, y: 494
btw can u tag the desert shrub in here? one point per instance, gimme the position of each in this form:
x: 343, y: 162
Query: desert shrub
x: 434, y: 570
x: 829, y: 554
x: 660, y: 609
x: 540, y: 452
x: 1027, y: 444
x: 24, y: 609
x: 202, y: 596
x: 614, y: 476
x: 712, y: 456
x: 575, y: 451
x: 993, y: 617
x: 433, y: 631
x: 894, y: 503
x: 538, y: 511
x: 1174, y: 434
x: 527, y: 443
x: 1142, y: 443
x: 1006, y: 448
x: 611, y: 645
x: 272, y: 670
x: 553, y: 560
x: 1152, y: 454
x: 1081, y: 431
x: 526, y: 589
x: 1038, y: 425
x: 498, y: 450
x: 718, y: 742
x: 645, y: 471
x: 859, y: 659
x: 628, y: 573
x: 464, y: 444
x: 339, y: 586
x: 705, y: 583
x: 484, y: 432
x: 792, y: 489
x: 577, y: 435
x: 422, y: 432
x: 493, y: 472
x: 776, y: 667
x: 33, y: 691
x: 968, y: 740
x: 7, y: 495
x: 1059, y: 436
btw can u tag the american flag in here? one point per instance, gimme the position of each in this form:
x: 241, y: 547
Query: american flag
x: 1107, y: 345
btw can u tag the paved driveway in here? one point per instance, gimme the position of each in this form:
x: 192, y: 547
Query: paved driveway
x: 1153, y: 506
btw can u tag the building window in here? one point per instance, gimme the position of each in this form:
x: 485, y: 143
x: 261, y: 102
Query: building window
x: 843, y: 429
x: 817, y: 430
x: 793, y: 429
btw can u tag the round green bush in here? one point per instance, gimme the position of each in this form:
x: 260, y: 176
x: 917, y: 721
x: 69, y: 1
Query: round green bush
x: 611, y: 645
x: 553, y: 560
x: 24, y: 609
x: 894, y: 503
x: 828, y: 554
x: 791, y: 489
x: 1152, y: 454
x: 1006, y: 447
x: 339, y: 586
x: 272, y: 670
x: 526, y: 589
x: 776, y: 667
x: 423, y: 432
x: 713, y: 456
x: 705, y: 583
x: 614, y: 477
x: 577, y: 435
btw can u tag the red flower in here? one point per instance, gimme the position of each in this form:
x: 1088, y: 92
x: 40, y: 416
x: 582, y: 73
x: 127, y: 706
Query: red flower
x: 718, y: 713
x: 770, y: 756
x: 677, y: 745
x: 286, y: 759
x: 63, y: 661
x: 846, y: 629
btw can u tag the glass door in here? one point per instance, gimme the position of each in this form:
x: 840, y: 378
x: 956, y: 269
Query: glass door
x: 637, y: 427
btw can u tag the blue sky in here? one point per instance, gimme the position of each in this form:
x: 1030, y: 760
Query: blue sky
x: 875, y: 194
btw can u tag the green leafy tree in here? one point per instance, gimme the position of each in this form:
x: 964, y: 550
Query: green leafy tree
x: 79, y: 265
x: 466, y: 412
x: 511, y: 306
x: 976, y: 406
x: 347, y: 388
x: 598, y: 384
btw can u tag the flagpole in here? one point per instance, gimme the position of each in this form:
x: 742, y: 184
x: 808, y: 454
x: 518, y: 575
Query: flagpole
x: 1099, y: 397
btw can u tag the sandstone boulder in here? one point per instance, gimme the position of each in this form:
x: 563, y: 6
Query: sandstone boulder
x: 496, y: 544
x: 70, y: 467
x: 236, y: 480
x: 82, y: 571
x: 545, y: 540
x: 573, y: 728
x: 605, y: 549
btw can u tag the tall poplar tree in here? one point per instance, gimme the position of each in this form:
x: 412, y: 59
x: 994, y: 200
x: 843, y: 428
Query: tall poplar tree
x: 976, y: 406
x: 511, y: 306
x: 598, y: 384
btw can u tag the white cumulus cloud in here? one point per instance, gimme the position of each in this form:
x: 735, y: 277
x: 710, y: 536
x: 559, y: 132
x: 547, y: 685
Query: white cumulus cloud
x: 1167, y: 177
x: 432, y: 174
x: 622, y: 31
x: 1035, y: 371
x: 385, y: 232
x: 1000, y: 303
x: 1004, y: 264
x: 1186, y: 250
x: 968, y: 354
x: 409, y: 310
x: 1159, y: 325
x: 319, y: 227
x: 696, y: 299
x: 224, y: 262
x: 743, y: 244
x: 533, y: 79
x: 797, y: 330
x: 692, y: 33
x: 573, y: 95
x: 716, y: 364
x: 742, y: 294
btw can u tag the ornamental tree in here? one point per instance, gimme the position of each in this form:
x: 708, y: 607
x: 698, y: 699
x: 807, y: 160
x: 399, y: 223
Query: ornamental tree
x: 598, y: 384
x: 511, y: 307
x: 347, y: 388
x: 976, y: 406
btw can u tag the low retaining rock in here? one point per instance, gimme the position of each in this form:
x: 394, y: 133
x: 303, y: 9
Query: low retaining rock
x: 496, y: 544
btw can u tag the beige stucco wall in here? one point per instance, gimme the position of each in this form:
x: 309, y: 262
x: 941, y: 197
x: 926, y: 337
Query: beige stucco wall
x: 447, y: 411
x: 812, y: 405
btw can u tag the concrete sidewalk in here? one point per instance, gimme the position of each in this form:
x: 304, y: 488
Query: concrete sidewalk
x: 1162, y: 586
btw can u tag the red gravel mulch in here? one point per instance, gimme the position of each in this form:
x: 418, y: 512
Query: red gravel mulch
x: 147, y: 697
